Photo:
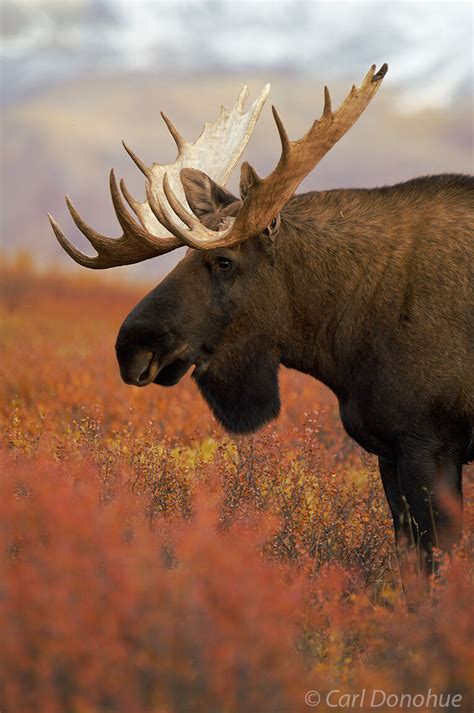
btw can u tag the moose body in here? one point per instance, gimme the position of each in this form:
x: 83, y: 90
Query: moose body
x: 370, y: 291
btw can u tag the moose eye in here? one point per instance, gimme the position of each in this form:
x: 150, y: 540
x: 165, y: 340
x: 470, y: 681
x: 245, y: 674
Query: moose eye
x: 224, y: 264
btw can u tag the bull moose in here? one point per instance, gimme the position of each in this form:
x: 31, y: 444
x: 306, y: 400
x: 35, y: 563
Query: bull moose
x: 371, y: 291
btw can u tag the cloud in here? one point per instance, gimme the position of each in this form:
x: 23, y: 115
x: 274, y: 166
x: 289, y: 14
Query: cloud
x: 427, y: 44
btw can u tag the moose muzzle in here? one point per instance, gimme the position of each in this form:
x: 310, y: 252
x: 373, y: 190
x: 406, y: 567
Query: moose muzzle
x: 139, y: 368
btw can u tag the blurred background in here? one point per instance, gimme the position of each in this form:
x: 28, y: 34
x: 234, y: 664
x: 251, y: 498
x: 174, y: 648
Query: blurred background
x: 78, y: 76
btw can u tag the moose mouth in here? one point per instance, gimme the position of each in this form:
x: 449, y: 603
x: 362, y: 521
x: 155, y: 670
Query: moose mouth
x: 144, y: 368
x: 170, y: 374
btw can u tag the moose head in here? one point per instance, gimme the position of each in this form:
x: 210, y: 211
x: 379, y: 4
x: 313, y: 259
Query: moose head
x: 229, y: 308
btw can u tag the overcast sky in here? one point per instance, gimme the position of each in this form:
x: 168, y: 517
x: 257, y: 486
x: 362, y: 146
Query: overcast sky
x: 427, y: 44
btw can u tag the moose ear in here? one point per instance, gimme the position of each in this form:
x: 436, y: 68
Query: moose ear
x: 203, y: 194
x: 272, y: 229
x: 248, y: 177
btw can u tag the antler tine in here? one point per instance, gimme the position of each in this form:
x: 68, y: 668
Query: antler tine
x: 370, y: 75
x: 180, y: 142
x: 126, y: 194
x: 381, y: 73
x: 166, y: 221
x: 128, y: 225
x: 137, y: 160
x: 133, y: 232
x: 72, y: 251
x: 161, y: 214
x: 97, y: 240
x: 285, y: 141
x: 244, y: 92
x: 327, y: 111
x: 188, y: 219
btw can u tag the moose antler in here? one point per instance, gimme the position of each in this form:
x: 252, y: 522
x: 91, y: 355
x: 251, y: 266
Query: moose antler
x: 266, y: 197
x: 215, y: 152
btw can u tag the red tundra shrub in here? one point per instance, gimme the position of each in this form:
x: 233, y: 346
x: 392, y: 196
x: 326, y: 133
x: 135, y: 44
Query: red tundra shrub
x: 101, y: 613
x: 151, y: 564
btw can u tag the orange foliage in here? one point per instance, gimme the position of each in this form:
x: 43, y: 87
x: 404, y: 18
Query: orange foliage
x: 152, y: 564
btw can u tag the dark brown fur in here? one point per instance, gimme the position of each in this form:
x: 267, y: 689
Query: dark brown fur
x: 370, y: 291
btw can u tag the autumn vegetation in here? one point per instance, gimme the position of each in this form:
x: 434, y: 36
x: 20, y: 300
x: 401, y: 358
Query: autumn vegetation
x: 152, y: 564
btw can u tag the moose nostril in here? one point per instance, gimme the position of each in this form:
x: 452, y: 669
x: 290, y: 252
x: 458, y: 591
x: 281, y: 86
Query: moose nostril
x: 145, y: 375
x: 140, y: 368
x: 149, y: 369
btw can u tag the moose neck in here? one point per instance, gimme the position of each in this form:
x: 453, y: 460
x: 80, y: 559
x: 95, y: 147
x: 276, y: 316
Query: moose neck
x: 334, y: 258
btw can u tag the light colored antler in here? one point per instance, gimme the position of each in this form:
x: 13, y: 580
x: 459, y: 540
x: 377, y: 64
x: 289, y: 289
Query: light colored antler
x: 266, y: 197
x: 215, y: 152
